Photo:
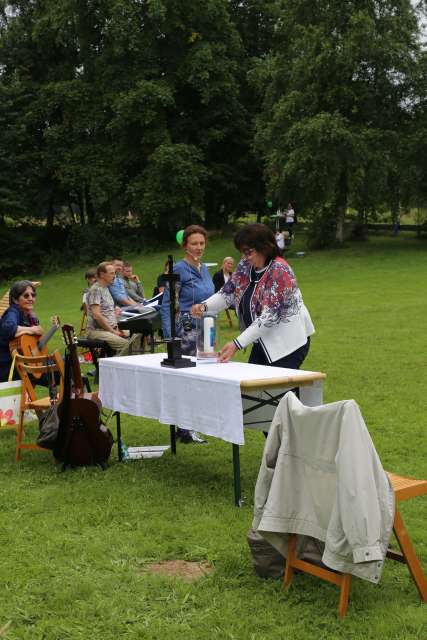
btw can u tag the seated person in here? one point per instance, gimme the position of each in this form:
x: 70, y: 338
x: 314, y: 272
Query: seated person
x: 17, y: 320
x: 133, y: 286
x: 223, y: 275
x: 280, y: 240
x: 117, y: 286
x: 102, y: 316
x: 161, y: 281
x: 90, y: 277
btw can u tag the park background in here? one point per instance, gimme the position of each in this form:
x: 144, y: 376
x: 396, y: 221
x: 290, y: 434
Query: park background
x: 120, y: 122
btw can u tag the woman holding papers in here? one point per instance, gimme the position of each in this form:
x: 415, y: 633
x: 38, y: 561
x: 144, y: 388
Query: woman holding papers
x: 268, y: 302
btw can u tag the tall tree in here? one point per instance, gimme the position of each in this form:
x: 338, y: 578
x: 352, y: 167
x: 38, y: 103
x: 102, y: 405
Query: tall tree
x: 338, y: 90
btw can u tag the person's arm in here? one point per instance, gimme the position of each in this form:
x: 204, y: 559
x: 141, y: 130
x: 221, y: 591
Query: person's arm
x: 138, y: 287
x: 119, y: 295
x: 277, y: 308
x: 101, y: 321
x: 131, y: 293
x: 9, y: 327
x: 224, y: 299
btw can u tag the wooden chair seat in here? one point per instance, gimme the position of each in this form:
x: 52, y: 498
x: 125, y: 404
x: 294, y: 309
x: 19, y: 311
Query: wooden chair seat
x: 26, y: 367
x: 39, y: 405
x: 404, y: 489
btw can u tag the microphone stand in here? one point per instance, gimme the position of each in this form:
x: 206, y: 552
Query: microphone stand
x: 173, y: 344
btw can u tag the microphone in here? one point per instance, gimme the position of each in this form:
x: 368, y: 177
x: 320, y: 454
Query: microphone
x: 196, y: 258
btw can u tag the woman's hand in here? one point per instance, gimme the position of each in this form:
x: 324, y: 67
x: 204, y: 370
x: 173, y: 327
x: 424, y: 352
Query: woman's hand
x: 36, y: 330
x: 197, y: 310
x: 227, y: 352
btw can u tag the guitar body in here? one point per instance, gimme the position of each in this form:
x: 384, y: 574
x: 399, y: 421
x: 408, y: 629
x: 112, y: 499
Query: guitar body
x: 82, y: 439
x: 88, y: 442
x: 28, y: 345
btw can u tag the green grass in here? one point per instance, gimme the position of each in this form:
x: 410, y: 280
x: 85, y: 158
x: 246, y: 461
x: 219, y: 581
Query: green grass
x: 74, y: 545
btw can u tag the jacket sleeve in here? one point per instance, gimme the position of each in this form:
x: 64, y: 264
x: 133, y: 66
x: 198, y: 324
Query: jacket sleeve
x: 118, y: 291
x: 224, y: 298
x: 9, y: 324
x: 266, y: 471
x: 359, y: 472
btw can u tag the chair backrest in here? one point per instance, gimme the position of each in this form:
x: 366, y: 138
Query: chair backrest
x: 30, y: 365
x: 4, y: 303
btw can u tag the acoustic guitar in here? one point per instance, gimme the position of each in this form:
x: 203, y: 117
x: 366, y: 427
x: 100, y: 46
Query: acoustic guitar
x: 29, y: 345
x: 82, y: 439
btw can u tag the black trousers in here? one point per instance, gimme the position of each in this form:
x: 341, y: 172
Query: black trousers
x: 292, y: 361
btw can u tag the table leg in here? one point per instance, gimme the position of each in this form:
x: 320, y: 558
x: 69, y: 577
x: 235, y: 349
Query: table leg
x: 236, y: 472
x: 173, y: 439
x: 119, y: 437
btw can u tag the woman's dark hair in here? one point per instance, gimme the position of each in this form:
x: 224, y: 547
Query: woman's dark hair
x: 259, y: 237
x: 193, y: 228
x: 18, y: 288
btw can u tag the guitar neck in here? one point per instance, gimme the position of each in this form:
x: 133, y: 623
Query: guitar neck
x: 47, y: 336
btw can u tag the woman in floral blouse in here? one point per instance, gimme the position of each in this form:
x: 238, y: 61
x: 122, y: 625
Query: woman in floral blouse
x: 268, y: 302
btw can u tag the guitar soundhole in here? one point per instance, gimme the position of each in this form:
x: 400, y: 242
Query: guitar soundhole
x: 78, y: 423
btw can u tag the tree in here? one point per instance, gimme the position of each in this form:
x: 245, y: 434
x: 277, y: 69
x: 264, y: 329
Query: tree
x: 338, y: 90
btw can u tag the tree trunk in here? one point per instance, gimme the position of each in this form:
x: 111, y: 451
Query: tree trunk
x: 89, y: 206
x: 50, y: 214
x: 341, y: 206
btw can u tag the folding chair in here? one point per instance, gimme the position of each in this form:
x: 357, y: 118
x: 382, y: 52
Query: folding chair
x: 404, y: 489
x: 26, y: 367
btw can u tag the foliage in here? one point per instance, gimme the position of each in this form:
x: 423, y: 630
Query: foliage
x: 122, y: 91
x: 340, y: 89
x: 45, y: 250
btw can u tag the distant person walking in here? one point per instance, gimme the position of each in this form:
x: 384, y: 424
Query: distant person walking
x: 290, y: 218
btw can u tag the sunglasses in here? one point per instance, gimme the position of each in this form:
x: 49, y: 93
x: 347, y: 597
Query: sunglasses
x: 29, y: 295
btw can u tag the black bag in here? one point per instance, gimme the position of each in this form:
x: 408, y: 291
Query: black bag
x: 48, y: 428
x: 268, y: 562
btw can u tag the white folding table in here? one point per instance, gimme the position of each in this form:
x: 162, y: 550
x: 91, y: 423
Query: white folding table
x: 219, y: 400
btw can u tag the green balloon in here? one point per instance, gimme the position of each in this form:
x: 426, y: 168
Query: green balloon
x: 269, y: 204
x: 180, y: 236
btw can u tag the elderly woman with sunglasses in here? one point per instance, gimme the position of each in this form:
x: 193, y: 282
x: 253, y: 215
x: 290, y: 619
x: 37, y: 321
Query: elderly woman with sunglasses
x: 17, y: 320
x: 268, y: 302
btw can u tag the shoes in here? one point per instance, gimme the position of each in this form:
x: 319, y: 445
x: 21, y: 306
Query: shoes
x: 191, y: 437
x: 92, y: 372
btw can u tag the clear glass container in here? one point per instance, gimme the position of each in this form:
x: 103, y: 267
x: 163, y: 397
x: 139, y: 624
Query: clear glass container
x: 207, y: 338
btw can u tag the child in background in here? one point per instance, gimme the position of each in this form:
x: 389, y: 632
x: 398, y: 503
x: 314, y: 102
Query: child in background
x: 90, y: 276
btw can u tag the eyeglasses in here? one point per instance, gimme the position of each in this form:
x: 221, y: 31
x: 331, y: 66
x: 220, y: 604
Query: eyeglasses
x: 29, y: 295
x: 247, y: 252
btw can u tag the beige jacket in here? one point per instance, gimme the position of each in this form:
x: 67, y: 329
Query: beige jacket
x: 321, y: 477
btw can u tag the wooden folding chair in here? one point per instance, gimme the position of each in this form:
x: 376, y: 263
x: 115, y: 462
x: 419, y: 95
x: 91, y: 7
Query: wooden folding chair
x: 404, y: 489
x: 28, y: 366
x: 230, y: 322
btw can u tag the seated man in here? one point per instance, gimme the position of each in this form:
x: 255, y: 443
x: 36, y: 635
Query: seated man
x: 133, y: 286
x: 102, y: 316
x: 117, y: 286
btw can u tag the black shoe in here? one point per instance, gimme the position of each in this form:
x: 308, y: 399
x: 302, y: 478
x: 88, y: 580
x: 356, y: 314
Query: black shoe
x: 192, y: 437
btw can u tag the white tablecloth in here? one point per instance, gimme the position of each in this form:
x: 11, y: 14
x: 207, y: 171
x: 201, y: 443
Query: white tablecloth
x: 205, y: 398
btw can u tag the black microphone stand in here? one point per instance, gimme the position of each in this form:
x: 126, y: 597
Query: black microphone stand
x: 174, y: 359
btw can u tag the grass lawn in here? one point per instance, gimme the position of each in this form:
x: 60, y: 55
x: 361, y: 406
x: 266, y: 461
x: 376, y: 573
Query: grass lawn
x: 74, y: 545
